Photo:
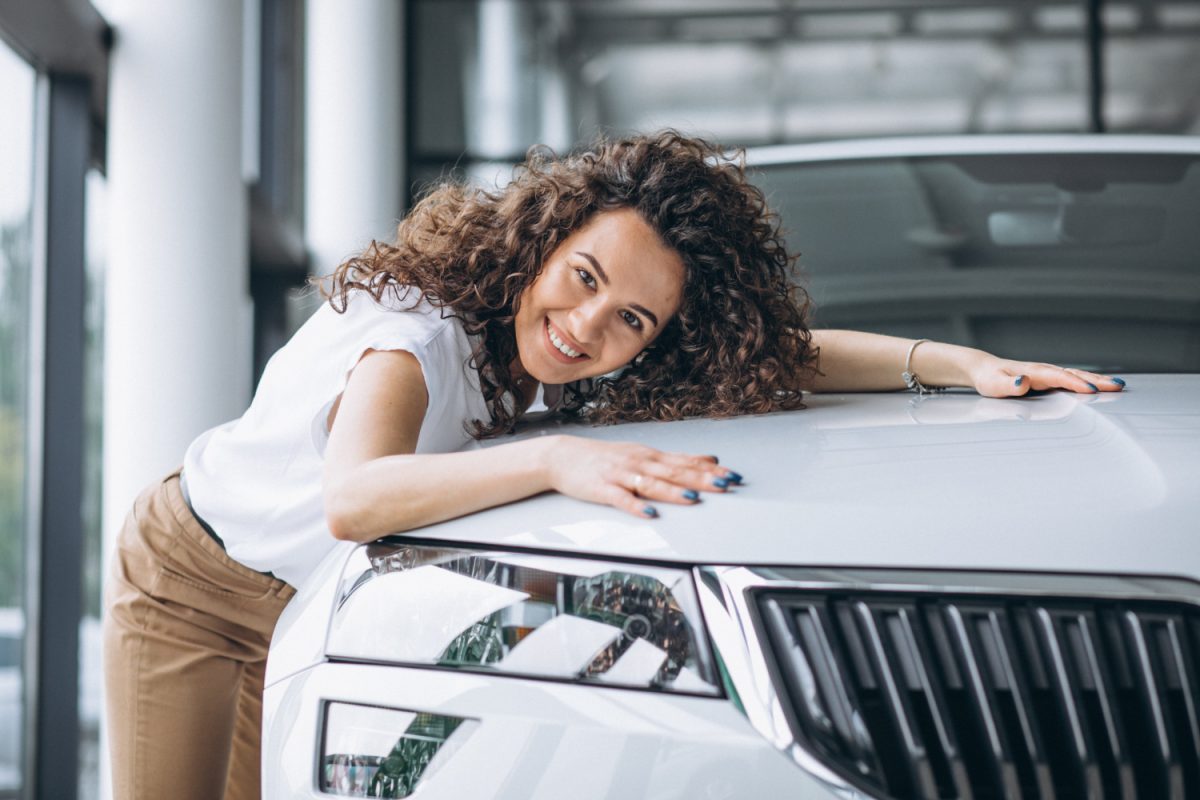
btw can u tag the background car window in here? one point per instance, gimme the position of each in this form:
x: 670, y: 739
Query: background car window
x: 1081, y: 258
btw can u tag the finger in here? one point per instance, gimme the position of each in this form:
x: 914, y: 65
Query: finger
x: 687, y: 479
x: 1105, y: 383
x: 1047, y: 376
x: 668, y: 492
x: 624, y: 499
x: 1004, y: 383
x: 708, y: 458
x: 701, y: 464
x: 660, y: 490
x: 1086, y: 377
x: 640, y: 484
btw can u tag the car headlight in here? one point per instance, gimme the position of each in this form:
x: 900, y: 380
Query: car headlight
x: 522, y: 614
x: 368, y: 751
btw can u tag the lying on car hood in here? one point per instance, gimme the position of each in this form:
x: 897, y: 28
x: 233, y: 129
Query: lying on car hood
x: 1060, y: 482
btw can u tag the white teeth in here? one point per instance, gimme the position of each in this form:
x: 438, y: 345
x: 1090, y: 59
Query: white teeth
x: 560, y: 344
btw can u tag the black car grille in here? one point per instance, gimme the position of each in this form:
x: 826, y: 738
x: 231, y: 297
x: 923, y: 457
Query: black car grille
x: 954, y: 696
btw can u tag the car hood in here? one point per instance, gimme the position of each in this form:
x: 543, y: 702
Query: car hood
x: 1059, y: 482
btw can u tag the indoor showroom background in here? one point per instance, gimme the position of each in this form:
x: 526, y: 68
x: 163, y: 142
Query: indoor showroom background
x: 171, y: 172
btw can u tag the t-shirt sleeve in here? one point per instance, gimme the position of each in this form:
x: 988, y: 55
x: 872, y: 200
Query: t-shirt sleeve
x: 369, y: 326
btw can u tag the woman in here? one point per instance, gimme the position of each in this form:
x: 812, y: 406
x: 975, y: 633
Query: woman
x: 641, y: 280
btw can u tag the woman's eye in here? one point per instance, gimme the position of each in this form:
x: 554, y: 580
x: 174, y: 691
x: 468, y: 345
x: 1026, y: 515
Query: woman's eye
x: 586, y: 277
x: 634, y: 320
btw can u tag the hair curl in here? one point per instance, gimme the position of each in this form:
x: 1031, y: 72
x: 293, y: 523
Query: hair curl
x: 739, y: 342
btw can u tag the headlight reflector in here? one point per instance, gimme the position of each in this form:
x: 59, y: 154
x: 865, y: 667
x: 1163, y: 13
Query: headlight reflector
x: 522, y: 614
x: 368, y: 751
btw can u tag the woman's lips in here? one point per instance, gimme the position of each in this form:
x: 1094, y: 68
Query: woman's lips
x: 555, y: 352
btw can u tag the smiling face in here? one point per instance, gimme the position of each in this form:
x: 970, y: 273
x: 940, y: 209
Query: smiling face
x: 602, y: 297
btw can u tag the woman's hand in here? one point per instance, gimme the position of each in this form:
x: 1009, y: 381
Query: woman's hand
x: 1001, y: 377
x: 625, y: 475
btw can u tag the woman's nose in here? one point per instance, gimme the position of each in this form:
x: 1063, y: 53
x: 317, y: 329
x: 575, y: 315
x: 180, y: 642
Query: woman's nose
x: 587, y: 322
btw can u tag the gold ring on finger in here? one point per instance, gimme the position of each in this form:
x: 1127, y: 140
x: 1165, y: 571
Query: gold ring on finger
x: 638, y: 478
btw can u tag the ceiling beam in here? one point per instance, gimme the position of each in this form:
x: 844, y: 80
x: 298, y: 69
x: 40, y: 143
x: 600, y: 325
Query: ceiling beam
x: 63, y: 37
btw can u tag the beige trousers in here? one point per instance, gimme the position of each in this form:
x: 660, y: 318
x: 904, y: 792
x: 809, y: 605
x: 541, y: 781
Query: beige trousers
x: 186, y: 632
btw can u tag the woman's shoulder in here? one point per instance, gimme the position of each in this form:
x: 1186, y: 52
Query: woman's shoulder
x: 403, y: 308
x: 393, y: 297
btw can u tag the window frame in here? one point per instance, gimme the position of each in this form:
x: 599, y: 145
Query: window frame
x: 67, y: 43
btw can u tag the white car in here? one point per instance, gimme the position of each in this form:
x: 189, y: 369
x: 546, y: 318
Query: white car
x: 945, y: 596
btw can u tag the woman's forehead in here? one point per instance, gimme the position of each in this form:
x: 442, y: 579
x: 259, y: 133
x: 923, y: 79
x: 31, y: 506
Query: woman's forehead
x: 623, y: 247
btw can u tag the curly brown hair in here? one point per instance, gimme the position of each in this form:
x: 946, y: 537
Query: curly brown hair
x: 739, y: 342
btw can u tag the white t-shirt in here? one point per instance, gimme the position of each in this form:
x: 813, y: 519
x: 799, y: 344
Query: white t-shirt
x: 257, y: 480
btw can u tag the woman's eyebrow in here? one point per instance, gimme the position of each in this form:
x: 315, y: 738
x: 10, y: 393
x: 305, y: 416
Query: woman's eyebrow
x: 595, y: 265
x: 604, y: 277
x: 646, y: 312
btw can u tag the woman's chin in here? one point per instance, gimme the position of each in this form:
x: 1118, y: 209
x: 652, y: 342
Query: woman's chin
x: 559, y: 373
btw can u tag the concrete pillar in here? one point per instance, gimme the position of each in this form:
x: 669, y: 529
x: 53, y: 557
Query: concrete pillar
x: 557, y: 128
x: 501, y: 115
x: 178, y: 311
x: 354, y: 133
x: 178, y: 317
x: 502, y: 121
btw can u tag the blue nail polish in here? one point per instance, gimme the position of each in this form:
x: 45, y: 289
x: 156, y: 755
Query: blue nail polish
x: 650, y: 511
x: 715, y: 459
x: 1095, y: 388
x: 1117, y: 381
x: 720, y: 483
x: 691, y: 494
x: 733, y: 477
x: 1020, y: 379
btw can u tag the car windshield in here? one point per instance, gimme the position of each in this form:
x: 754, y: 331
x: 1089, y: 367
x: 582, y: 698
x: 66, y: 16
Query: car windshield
x: 1084, y: 259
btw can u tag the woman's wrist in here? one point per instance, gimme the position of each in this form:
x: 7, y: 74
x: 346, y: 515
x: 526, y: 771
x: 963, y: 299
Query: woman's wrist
x: 945, y: 365
x: 545, y: 449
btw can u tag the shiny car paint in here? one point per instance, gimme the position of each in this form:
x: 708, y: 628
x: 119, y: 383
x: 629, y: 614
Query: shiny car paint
x: 1057, y: 483
x: 1056, y: 491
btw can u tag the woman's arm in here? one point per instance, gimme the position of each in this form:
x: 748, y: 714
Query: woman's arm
x: 855, y: 361
x: 374, y: 483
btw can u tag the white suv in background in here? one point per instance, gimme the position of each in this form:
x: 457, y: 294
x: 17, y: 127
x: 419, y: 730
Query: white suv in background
x: 939, y: 597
